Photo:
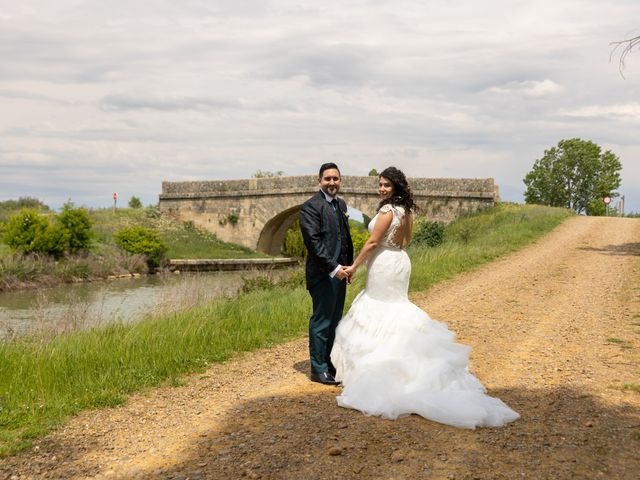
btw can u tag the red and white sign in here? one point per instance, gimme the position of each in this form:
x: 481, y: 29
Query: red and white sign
x: 606, y: 200
x: 115, y: 196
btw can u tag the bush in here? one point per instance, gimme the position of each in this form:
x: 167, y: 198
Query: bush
x: 262, y: 282
x: 134, y: 202
x: 76, y: 225
x: 10, y: 207
x: 30, y: 232
x: 427, y: 232
x: 25, y: 231
x: 143, y: 241
x: 359, y: 237
x: 293, y: 245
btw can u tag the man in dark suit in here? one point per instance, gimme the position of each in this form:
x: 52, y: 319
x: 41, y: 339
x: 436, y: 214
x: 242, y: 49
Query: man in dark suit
x: 325, y: 229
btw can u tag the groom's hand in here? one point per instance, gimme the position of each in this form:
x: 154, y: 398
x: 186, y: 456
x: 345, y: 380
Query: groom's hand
x: 349, y: 271
x: 342, y: 274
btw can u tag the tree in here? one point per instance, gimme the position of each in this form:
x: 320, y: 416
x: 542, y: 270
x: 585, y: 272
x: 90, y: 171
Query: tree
x: 373, y: 172
x: 267, y: 174
x: 575, y: 175
x: 134, y: 202
x: 624, y: 47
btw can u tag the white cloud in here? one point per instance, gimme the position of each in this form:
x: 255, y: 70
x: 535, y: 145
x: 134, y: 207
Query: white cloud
x: 121, y: 95
x: 528, y: 88
x: 626, y: 111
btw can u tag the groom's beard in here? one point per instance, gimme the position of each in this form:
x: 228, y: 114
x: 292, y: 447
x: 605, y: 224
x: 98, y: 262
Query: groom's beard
x: 332, y: 191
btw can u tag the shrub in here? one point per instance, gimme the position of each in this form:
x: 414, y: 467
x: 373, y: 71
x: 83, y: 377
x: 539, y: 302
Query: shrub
x: 10, y: 207
x: 293, y: 245
x: 152, y: 211
x: 24, y: 230
x: 142, y: 240
x: 427, y: 232
x: 30, y: 232
x: 359, y: 237
x: 134, y: 202
x: 261, y: 282
x: 76, y: 225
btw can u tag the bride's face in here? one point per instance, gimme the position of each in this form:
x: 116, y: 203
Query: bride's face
x: 385, y: 188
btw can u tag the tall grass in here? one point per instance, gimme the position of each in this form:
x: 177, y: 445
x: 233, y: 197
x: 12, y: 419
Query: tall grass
x: 43, y: 380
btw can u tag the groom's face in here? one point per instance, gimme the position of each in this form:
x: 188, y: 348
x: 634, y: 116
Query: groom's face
x: 330, y: 181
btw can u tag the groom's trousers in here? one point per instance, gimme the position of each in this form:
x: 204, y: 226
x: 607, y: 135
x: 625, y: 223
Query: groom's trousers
x: 328, y: 302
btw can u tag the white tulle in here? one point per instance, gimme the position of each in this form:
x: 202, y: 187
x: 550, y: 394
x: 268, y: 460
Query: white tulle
x: 394, y: 360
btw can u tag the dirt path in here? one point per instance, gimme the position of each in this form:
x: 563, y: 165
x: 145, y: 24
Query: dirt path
x: 554, y: 329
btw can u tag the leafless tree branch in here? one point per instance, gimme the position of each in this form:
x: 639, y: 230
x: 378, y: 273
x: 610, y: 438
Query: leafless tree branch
x: 623, y: 48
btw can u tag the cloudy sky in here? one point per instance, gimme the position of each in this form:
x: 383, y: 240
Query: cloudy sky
x: 97, y: 97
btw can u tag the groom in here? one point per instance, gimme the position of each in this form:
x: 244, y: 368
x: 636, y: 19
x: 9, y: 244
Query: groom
x: 325, y: 229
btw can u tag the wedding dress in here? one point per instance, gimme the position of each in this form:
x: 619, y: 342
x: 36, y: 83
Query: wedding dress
x: 394, y: 360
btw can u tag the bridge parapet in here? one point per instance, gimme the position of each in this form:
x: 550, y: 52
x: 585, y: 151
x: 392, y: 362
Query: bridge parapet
x: 257, y: 212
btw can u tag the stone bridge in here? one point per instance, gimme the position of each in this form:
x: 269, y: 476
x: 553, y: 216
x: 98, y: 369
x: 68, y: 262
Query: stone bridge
x: 258, y: 212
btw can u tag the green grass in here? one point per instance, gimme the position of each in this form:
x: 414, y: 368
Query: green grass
x: 44, y: 381
x: 182, y: 239
x: 477, y: 239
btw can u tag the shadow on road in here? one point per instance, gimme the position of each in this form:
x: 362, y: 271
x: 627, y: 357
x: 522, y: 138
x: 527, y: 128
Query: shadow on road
x: 563, y: 433
x: 621, y: 249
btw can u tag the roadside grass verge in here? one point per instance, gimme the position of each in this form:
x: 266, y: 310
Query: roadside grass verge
x: 477, y: 239
x: 44, y: 380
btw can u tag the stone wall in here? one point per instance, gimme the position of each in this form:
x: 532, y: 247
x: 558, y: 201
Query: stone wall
x: 257, y: 212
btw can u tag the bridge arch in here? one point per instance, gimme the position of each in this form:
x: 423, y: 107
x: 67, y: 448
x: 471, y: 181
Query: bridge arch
x: 257, y: 212
x: 272, y: 235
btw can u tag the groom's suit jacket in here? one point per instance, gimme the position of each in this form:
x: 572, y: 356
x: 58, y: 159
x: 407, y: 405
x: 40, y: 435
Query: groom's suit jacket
x: 322, y: 227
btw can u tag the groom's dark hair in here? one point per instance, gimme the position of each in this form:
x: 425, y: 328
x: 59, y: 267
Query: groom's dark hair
x: 327, y: 166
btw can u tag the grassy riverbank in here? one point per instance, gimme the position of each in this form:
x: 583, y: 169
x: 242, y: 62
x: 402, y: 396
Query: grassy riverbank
x: 105, y: 258
x: 44, y: 380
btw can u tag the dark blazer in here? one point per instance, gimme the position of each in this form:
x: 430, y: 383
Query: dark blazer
x: 319, y: 226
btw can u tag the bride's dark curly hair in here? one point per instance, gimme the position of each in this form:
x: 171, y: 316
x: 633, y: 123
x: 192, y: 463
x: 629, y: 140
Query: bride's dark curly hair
x: 401, y: 191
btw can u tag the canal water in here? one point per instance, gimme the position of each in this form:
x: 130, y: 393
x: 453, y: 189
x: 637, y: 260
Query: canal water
x: 71, y: 307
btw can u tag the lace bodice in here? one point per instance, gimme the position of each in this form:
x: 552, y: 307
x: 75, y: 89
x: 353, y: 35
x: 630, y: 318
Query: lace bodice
x: 389, y: 237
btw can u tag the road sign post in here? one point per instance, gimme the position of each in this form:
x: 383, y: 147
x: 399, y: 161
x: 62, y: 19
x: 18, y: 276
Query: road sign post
x: 115, y: 201
x: 607, y: 201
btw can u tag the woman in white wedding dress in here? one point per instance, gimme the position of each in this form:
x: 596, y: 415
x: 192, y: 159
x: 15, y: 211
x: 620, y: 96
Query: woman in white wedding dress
x: 390, y: 356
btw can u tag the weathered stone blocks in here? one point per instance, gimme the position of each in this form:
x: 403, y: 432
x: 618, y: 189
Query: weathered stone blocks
x: 257, y: 212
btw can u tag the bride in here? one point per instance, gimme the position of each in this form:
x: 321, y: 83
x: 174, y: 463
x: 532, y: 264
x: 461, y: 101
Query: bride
x: 390, y: 356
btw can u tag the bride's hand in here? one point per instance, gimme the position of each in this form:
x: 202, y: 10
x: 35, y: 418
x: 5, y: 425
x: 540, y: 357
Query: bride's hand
x: 350, y: 271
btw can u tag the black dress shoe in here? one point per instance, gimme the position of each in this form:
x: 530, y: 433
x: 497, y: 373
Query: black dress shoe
x: 325, y: 378
x: 332, y: 372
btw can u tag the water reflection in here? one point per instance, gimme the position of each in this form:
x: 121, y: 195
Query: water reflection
x: 75, y: 306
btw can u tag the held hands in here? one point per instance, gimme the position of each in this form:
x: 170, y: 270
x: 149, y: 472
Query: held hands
x: 346, y: 273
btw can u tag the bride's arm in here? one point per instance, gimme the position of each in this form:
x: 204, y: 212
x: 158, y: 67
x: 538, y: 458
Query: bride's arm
x: 382, y: 225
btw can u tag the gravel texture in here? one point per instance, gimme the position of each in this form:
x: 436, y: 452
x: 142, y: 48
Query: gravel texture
x: 555, y: 330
